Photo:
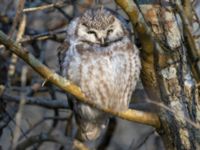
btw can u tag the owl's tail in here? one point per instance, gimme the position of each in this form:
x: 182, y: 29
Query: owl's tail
x: 88, y: 131
x: 90, y: 122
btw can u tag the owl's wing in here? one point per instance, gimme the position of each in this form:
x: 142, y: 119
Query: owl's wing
x: 62, y: 49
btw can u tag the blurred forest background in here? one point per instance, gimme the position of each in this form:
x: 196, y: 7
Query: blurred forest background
x: 35, y: 115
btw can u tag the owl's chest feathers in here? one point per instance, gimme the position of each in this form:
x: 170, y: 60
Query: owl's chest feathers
x: 94, y: 61
x: 105, y: 74
x: 82, y: 54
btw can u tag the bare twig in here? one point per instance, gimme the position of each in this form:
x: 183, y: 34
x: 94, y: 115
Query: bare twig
x: 17, y: 18
x: 7, y: 116
x: 12, y: 66
x: 21, y: 108
x: 44, y: 36
x: 67, y: 86
x: 43, y: 137
x: 68, y: 17
x: 192, y: 123
x: 42, y: 102
x: 40, y: 122
x: 39, y: 8
x: 22, y: 20
x: 196, y: 16
x: 31, y: 90
x: 142, y: 140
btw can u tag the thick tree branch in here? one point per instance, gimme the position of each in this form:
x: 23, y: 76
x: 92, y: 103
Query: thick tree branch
x: 67, y: 86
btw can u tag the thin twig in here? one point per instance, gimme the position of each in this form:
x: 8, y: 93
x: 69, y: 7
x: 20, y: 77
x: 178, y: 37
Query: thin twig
x: 40, y: 8
x: 44, y: 36
x: 12, y: 66
x: 42, y: 102
x: 40, y: 122
x: 43, y: 137
x: 68, y: 17
x: 188, y: 120
x: 21, y: 108
x: 17, y: 18
x: 142, y: 140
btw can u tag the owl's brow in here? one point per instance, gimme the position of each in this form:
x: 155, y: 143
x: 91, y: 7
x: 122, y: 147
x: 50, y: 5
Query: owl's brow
x: 92, y: 32
x: 84, y: 24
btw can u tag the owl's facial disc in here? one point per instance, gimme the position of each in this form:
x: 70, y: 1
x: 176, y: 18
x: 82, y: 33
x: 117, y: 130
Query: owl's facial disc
x: 104, y: 37
x: 100, y: 27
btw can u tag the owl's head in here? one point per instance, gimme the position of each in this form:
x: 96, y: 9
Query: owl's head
x: 100, y: 26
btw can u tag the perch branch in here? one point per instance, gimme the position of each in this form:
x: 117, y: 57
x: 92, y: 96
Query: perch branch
x: 67, y: 86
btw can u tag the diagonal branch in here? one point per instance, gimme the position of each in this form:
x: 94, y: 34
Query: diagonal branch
x: 39, y: 8
x: 67, y: 86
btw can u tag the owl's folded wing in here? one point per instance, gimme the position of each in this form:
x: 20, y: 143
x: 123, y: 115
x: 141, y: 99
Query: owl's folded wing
x: 61, y: 52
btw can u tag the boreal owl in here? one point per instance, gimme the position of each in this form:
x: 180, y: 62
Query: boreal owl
x: 99, y: 56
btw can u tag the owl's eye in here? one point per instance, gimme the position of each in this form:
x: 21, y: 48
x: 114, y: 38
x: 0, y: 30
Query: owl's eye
x: 91, y: 32
x: 109, y: 31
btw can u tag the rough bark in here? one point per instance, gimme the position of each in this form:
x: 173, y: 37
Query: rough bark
x: 177, y: 85
x: 169, y: 69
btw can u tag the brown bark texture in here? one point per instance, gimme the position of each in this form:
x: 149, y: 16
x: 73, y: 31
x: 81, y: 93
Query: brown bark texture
x: 169, y: 72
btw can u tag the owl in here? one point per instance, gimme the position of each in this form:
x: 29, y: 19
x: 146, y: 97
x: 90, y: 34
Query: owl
x: 99, y: 56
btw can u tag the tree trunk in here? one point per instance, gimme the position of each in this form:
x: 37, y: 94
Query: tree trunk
x: 169, y: 69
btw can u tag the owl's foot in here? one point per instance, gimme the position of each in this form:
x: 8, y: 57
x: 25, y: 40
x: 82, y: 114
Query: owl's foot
x: 90, y: 133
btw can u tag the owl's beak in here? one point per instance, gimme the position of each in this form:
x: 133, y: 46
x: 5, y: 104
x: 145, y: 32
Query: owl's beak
x: 102, y: 41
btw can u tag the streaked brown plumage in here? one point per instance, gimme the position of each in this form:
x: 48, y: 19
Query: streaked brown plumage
x: 99, y: 56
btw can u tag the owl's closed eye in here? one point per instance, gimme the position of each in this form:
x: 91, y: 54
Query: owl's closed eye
x: 103, y: 29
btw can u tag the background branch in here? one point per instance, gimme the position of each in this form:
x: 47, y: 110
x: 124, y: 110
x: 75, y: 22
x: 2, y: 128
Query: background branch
x: 44, y: 137
x: 39, y: 8
x: 42, y: 102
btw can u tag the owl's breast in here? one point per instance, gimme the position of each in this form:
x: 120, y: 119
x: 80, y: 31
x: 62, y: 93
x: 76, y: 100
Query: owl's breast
x: 106, y: 76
